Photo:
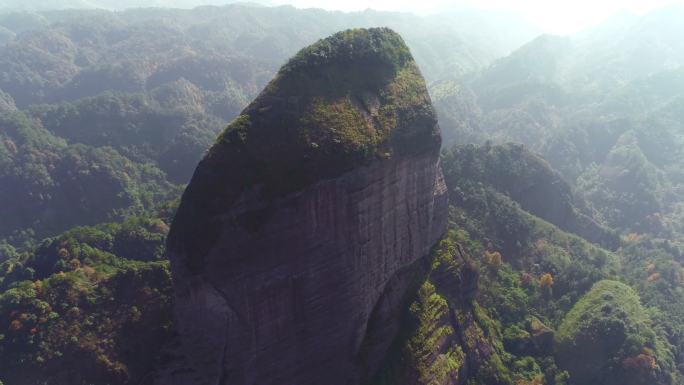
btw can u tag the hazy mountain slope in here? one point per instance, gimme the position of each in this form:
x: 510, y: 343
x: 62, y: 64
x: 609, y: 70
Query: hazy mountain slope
x: 47, y: 5
x: 50, y: 185
x: 574, y: 101
x: 528, y: 180
x: 507, y: 298
x: 157, y: 85
x: 63, y: 56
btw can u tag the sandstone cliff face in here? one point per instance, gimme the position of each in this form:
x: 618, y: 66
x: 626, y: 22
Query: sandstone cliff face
x: 294, y: 243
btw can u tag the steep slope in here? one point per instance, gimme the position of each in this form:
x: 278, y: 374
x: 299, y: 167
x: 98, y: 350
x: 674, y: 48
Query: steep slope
x: 90, y: 306
x: 528, y: 180
x: 291, y: 244
x: 500, y: 282
x: 49, y: 186
x: 627, y: 189
x: 528, y: 72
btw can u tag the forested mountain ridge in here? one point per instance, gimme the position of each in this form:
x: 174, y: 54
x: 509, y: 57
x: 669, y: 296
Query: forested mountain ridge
x: 44, y: 5
x: 155, y: 86
x: 616, y: 138
x: 568, y: 243
x: 529, y: 180
x: 123, y: 50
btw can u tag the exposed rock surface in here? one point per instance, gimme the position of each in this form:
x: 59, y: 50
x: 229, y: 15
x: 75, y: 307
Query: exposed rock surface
x: 293, y: 244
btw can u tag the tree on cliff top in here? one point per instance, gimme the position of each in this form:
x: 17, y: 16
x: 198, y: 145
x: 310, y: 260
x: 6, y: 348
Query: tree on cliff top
x: 347, y: 100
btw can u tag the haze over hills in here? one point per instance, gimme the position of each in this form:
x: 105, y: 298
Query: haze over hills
x: 39, y: 5
x: 319, y: 191
x: 588, y: 105
x: 157, y: 85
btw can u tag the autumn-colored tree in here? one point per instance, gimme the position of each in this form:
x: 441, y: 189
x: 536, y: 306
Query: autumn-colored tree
x: 161, y: 227
x: 89, y: 271
x: 74, y: 264
x: 526, y: 279
x: 653, y: 277
x: 15, y: 325
x: 11, y: 146
x: 546, y: 281
x: 644, y: 361
x: 38, y: 285
x: 493, y: 258
x: 632, y: 237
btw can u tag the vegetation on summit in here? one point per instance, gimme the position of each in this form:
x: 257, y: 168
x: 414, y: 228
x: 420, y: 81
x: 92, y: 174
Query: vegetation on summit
x: 347, y: 99
x: 563, y: 262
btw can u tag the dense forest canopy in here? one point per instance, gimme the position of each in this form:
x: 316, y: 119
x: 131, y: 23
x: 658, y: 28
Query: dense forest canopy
x: 155, y: 86
x: 563, y: 157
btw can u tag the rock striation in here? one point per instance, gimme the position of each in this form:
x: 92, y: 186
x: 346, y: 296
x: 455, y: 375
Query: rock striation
x: 295, y: 241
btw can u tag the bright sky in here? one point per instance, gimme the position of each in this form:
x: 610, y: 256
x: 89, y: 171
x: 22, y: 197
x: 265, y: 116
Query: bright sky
x: 553, y: 16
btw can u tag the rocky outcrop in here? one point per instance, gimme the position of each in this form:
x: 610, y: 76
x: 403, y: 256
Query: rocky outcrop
x: 294, y: 243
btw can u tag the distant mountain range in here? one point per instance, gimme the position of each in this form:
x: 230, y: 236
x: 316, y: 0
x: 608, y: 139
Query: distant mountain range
x: 48, y: 5
x: 563, y: 258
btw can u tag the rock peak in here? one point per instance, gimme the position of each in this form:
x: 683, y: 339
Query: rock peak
x: 340, y: 102
x: 343, y: 102
x: 295, y: 240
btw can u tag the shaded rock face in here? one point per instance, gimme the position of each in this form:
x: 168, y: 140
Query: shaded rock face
x: 278, y: 280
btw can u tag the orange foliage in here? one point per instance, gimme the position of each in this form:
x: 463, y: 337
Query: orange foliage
x: 643, y: 361
x: 63, y: 253
x: 653, y: 277
x: 75, y: 264
x: 161, y: 227
x: 546, y: 281
x: 493, y: 258
x: 632, y: 237
x: 650, y: 268
x: 38, y: 285
x: 89, y: 271
x: 15, y: 325
x: 541, y: 244
x: 11, y: 146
